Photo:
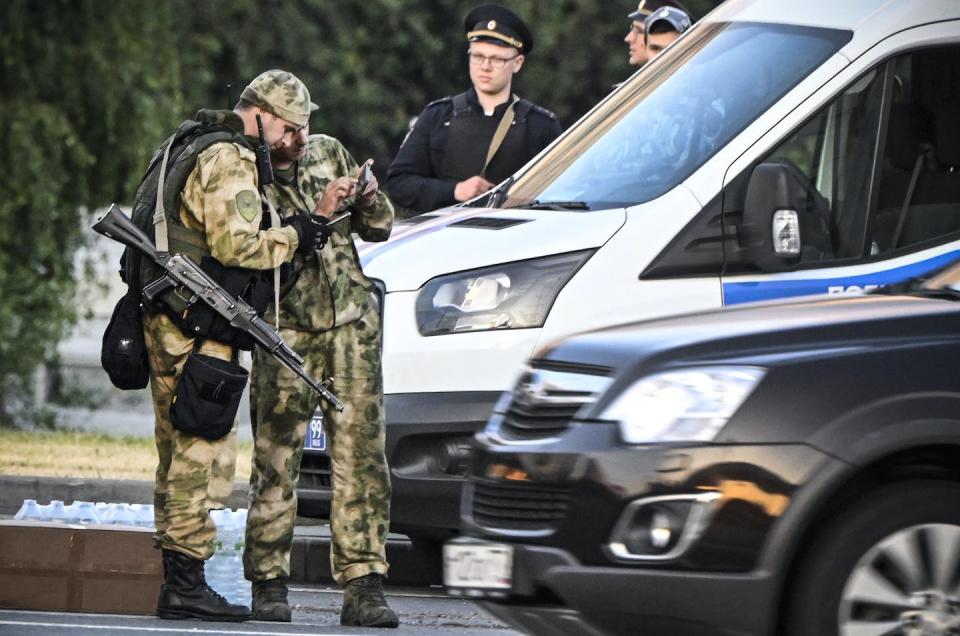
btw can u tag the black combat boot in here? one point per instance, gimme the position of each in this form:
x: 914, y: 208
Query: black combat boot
x: 364, y: 605
x: 185, y: 593
x: 270, y: 601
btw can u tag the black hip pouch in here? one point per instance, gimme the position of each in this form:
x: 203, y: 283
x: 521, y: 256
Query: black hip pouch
x: 252, y: 286
x: 207, y: 396
x: 124, y: 352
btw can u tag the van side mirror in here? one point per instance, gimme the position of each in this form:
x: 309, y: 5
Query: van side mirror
x: 785, y: 220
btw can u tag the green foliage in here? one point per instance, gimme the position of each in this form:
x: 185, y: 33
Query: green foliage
x: 85, y: 91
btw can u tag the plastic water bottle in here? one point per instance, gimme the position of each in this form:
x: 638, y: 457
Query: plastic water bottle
x: 55, y: 512
x: 213, y: 568
x: 118, y: 514
x: 30, y: 511
x: 224, y: 570
x: 82, y: 512
x: 241, y: 586
x: 143, y: 515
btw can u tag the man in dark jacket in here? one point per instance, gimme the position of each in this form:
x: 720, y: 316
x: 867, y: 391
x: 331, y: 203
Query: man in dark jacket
x: 462, y: 146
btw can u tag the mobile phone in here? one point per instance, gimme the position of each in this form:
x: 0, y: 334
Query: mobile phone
x: 366, y: 173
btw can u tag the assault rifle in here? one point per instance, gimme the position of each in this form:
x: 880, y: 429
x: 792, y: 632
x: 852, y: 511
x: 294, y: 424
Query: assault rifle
x: 180, y: 270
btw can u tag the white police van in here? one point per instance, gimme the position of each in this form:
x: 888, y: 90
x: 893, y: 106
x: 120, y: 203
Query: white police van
x: 777, y: 149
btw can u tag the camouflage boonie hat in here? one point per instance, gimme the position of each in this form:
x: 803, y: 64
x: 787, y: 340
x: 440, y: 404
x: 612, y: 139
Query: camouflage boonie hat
x: 282, y: 94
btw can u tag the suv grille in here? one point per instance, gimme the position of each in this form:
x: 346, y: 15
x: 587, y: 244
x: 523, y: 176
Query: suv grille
x: 544, y: 401
x: 536, y: 421
x: 510, y: 506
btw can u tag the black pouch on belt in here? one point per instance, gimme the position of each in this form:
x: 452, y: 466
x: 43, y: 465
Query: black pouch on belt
x: 207, y: 396
x: 124, y: 353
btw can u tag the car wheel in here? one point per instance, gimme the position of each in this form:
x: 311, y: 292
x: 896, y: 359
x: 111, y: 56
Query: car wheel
x: 888, y: 566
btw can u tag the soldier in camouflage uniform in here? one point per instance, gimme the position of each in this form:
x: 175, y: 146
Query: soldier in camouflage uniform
x: 330, y: 316
x: 220, y: 203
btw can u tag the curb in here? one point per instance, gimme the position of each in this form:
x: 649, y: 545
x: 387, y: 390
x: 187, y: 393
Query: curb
x: 410, y: 563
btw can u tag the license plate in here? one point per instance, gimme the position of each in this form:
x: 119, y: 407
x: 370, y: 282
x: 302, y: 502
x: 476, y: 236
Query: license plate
x: 315, y: 439
x: 486, y: 566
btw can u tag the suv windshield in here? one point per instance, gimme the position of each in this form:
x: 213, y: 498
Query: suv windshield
x: 667, y: 121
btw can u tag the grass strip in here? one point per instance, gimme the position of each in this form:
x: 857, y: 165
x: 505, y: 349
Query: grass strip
x: 88, y: 455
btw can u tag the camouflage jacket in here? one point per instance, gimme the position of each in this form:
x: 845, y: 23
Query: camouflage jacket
x: 329, y: 288
x: 221, y: 201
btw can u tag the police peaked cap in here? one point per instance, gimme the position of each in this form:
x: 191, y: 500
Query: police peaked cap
x: 500, y: 25
x: 646, y: 8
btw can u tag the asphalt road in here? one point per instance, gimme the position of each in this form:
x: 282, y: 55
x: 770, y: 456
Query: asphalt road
x: 316, y: 611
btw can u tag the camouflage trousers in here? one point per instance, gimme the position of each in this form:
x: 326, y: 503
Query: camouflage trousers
x: 281, y: 407
x: 194, y: 474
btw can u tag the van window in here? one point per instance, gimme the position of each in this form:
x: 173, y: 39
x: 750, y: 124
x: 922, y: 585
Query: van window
x: 670, y: 118
x: 835, y: 152
x: 910, y: 194
x: 918, y: 198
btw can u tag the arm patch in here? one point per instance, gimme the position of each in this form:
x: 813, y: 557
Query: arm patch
x: 246, y: 201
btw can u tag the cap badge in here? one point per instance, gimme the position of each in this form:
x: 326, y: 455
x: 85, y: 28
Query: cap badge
x: 492, y: 25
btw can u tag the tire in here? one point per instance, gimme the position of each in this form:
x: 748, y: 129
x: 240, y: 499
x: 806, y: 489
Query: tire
x: 890, y: 565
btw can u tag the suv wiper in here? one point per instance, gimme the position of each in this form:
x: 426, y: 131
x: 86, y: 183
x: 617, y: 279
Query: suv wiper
x: 907, y: 286
x: 554, y: 205
x: 937, y: 292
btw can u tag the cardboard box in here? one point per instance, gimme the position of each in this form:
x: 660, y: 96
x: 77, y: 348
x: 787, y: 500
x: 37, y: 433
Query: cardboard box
x: 50, y: 566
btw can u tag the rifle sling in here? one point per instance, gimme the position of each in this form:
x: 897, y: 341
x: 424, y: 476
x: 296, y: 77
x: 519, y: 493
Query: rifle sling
x: 159, y: 217
x: 500, y: 134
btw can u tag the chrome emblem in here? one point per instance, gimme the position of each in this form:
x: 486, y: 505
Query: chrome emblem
x: 529, y: 391
x: 492, y: 25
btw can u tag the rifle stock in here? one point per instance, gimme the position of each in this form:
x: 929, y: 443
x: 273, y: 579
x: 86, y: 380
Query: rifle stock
x: 180, y: 270
x: 115, y: 224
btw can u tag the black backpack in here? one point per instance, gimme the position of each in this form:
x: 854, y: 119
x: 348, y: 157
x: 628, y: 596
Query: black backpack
x: 124, y: 353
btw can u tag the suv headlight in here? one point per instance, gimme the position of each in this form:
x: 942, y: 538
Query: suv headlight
x: 687, y: 405
x: 509, y: 296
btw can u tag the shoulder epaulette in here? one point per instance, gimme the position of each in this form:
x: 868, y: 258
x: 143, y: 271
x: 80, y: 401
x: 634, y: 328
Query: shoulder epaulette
x: 437, y: 102
x: 544, y: 111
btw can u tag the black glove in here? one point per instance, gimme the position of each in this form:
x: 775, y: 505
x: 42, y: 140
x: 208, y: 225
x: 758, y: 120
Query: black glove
x: 312, y: 231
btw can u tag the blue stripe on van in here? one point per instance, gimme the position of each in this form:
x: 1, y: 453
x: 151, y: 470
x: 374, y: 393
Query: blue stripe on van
x: 735, y: 293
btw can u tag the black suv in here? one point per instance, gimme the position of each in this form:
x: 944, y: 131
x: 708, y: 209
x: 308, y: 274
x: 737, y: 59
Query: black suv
x: 786, y: 468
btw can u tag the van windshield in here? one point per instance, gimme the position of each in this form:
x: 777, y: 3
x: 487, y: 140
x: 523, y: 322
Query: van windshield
x: 667, y: 121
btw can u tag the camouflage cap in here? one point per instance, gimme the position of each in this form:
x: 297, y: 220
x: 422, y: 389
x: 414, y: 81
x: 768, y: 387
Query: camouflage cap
x: 282, y: 94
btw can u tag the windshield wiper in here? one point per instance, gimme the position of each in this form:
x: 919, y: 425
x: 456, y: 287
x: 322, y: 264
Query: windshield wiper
x: 553, y: 205
x: 498, y: 194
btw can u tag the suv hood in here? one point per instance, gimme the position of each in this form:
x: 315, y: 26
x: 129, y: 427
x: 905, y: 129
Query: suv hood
x: 761, y: 329
x: 459, y: 239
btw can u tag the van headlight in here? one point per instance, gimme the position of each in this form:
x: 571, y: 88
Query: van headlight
x: 688, y: 405
x: 509, y: 296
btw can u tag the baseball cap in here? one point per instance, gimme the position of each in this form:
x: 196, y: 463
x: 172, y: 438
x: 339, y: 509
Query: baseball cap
x: 677, y: 19
x: 282, y: 94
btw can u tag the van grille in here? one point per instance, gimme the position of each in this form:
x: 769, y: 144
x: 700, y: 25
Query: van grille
x: 509, y: 506
x: 315, y: 471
